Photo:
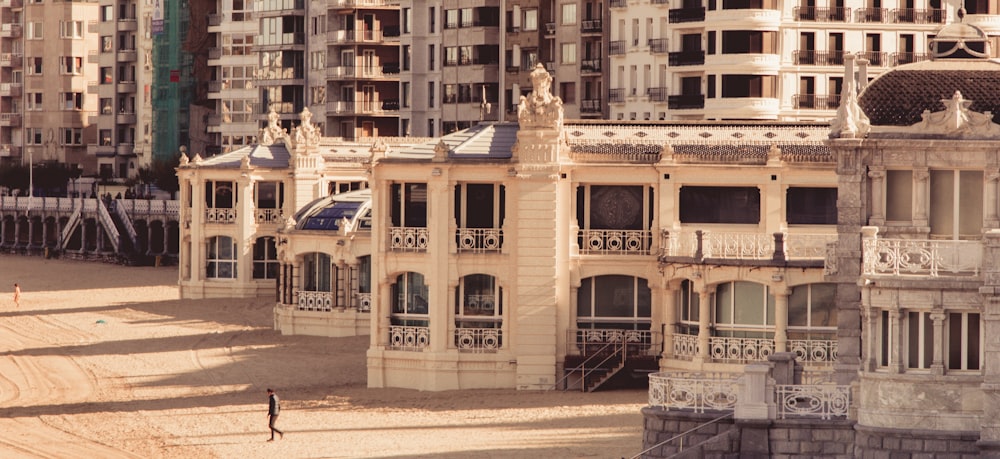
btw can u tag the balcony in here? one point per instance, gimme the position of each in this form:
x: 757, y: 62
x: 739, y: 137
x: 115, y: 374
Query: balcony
x: 591, y: 26
x: 15, y: 60
x: 590, y: 106
x: 873, y: 15
x: 814, y: 101
x: 363, y: 3
x: 10, y: 89
x: 128, y: 25
x: 590, y: 66
x: 875, y: 58
x: 220, y: 215
x: 723, y: 349
x: 616, y: 95
x: 413, y: 239
x: 479, y: 240
x: 681, y: 15
x: 126, y: 55
x: 919, y: 257
x: 11, y: 3
x: 550, y: 28
x: 812, y: 57
x: 617, y: 48
x: 902, y: 58
x: 405, y: 338
x: 383, y: 35
x: 657, y: 94
x: 125, y: 118
x: 686, y: 102
x: 919, y: 16
x: 10, y: 30
x: 686, y: 58
x: 812, y: 13
x: 699, y: 246
x: 10, y: 119
x: 127, y: 87
x: 657, y: 45
x: 614, y: 242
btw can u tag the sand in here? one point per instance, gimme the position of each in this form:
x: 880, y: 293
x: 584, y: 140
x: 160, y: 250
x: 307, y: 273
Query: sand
x: 105, y: 361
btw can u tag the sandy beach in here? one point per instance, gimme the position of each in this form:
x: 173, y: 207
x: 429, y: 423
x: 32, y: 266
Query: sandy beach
x: 105, y: 361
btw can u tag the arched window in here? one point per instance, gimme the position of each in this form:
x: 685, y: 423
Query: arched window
x: 265, y: 258
x: 478, y: 300
x: 316, y: 275
x: 613, y: 301
x: 409, y: 300
x: 744, y: 310
x: 221, y: 259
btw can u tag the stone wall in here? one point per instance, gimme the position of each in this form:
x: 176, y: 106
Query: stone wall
x: 873, y: 443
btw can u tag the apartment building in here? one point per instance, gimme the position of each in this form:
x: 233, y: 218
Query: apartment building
x: 234, y: 64
x: 121, y: 86
x: 761, y: 59
x: 44, y: 74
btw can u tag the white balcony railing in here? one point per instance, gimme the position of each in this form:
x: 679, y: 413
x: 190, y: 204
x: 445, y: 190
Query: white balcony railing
x: 220, y: 215
x: 744, y: 245
x: 693, y: 391
x: 478, y: 340
x: 404, y: 338
x: 315, y: 301
x: 815, y: 400
x: 615, y: 242
x: 480, y: 240
x: 747, y: 350
x: 269, y: 215
x: 408, y: 239
x: 814, y: 350
x: 921, y: 257
x: 740, y: 350
x: 364, y: 302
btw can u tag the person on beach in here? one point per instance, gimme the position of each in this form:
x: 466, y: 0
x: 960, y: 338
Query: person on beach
x: 273, y: 408
x: 17, y: 296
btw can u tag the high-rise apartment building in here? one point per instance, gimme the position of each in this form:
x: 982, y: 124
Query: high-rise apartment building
x: 233, y: 64
x: 44, y: 73
x: 121, y: 87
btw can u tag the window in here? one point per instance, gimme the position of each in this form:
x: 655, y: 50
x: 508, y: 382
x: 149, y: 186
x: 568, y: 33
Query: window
x: 743, y: 42
x: 33, y: 136
x: 812, y: 315
x: 265, y: 258
x: 749, y: 85
x: 107, y: 75
x: 965, y: 339
x: 33, y: 31
x: 530, y: 20
x: 406, y: 19
x: 920, y: 339
x: 34, y: 100
x: 219, y: 195
x: 706, y: 204
x: 956, y: 207
x: 898, y: 192
x: 613, y: 301
x: 107, y: 13
x: 432, y: 17
x: 406, y: 57
x: 72, y: 101
x: 744, y: 310
x: 71, y: 29
x: 568, y: 13
x: 567, y: 91
x: 72, y: 136
x: 269, y: 194
x: 884, y: 328
x: 317, y: 275
x: 811, y: 206
x: 34, y: 65
x: 72, y: 65
x: 568, y: 55
x: 221, y: 258
x: 430, y: 94
x: 405, y: 93
x: 431, y: 55
x: 688, y: 308
x: 409, y: 297
x: 478, y: 304
x: 409, y: 205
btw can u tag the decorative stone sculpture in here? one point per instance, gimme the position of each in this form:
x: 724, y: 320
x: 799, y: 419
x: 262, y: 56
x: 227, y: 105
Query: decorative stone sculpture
x: 850, y: 121
x: 273, y: 132
x: 958, y: 120
x: 306, y: 134
x: 540, y: 109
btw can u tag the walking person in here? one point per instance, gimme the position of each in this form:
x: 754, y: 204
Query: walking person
x: 17, y: 296
x: 273, y: 408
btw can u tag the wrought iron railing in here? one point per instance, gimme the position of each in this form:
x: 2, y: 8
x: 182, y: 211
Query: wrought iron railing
x: 409, y: 338
x: 744, y: 246
x: 479, y: 240
x: 697, y: 392
x: 824, y: 401
x: 740, y: 350
x: 814, y: 350
x: 220, y: 215
x: 478, y: 340
x: 615, y: 242
x: 636, y: 342
x: 269, y: 215
x: 314, y: 301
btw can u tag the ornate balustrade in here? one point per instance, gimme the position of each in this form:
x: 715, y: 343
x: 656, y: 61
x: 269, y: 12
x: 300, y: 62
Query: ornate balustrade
x: 741, y: 246
x: 685, y: 346
x: 314, y: 301
x: 216, y: 215
x: 814, y: 350
x: 408, y: 239
x: 615, y: 242
x: 740, y: 350
x: 744, y: 246
x: 807, y: 246
x: 746, y: 350
x: 269, y: 215
x: 637, y: 342
x: 406, y: 338
x: 697, y: 392
x: 815, y: 400
x: 479, y: 240
x: 478, y: 340
x: 920, y: 257
x: 364, y: 302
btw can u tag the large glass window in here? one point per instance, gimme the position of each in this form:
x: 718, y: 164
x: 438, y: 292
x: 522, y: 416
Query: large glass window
x: 613, y: 301
x: 221, y: 258
x: 710, y: 204
x: 409, y: 300
x: 317, y: 272
x: 744, y: 310
x: 811, y: 206
x: 965, y: 341
x: 920, y: 339
x: 956, y: 204
x: 812, y: 311
x: 478, y: 302
x: 409, y: 205
x: 265, y: 258
x: 219, y: 195
x: 688, y: 313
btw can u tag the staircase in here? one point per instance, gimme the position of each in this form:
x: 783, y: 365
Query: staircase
x: 71, y: 224
x: 600, y: 367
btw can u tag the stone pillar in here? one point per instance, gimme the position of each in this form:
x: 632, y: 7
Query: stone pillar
x: 704, y: 326
x: 896, y: 363
x: 937, y: 360
x: 921, y: 205
x: 574, y: 295
x: 17, y: 230
x: 669, y: 319
x: 991, y: 218
x: 877, y: 176
x: 31, y: 232
x: 166, y: 239
x: 756, y: 394
x: 340, y: 296
x: 439, y: 282
x: 781, y: 319
x: 989, y: 431
x: 869, y: 361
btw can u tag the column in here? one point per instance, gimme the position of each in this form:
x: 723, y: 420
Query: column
x: 668, y: 319
x: 989, y: 430
x: 921, y: 206
x: 991, y: 219
x: 574, y: 302
x: 896, y: 365
x: 704, y: 331
x: 937, y: 360
x: 781, y: 319
x: 149, y: 239
x: 868, y: 361
x: 166, y: 234
x: 31, y: 232
x: 17, y: 230
x: 877, y: 176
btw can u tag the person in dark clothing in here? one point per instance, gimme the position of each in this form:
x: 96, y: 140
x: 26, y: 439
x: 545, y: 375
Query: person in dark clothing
x: 273, y: 409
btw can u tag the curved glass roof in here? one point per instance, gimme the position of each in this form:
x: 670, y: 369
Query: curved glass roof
x: 327, y: 213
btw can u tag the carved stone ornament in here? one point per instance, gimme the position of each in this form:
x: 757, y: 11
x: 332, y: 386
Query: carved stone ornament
x: 245, y: 163
x: 957, y: 120
x: 272, y: 133
x: 850, y: 121
x: 540, y: 109
x: 306, y: 134
x: 184, y: 159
